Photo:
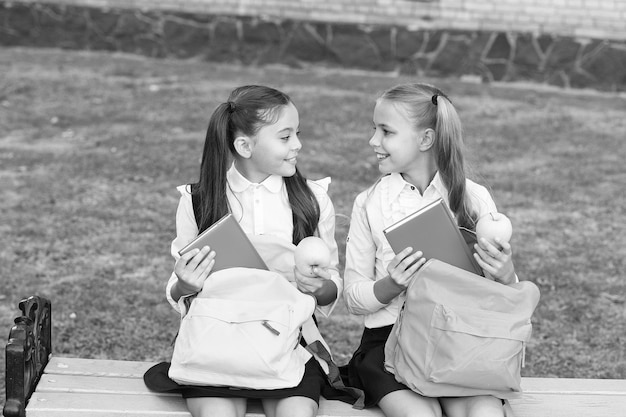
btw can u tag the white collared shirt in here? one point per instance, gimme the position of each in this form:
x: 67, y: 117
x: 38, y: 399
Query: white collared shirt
x: 266, y: 204
x: 367, y: 251
x: 260, y: 209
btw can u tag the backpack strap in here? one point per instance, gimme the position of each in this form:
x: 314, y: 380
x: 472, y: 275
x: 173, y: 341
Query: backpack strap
x: 355, y: 396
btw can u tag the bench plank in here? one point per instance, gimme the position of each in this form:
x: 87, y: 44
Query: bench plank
x: 60, y: 404
x: 95, y: 384
x: 574, y: 386
x: 97, y: 367
x: 74, y: 404
x: 566, y: 405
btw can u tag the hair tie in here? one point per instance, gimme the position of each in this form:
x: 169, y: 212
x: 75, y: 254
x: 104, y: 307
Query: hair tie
x: 439, y: 93
x: 231, y: 106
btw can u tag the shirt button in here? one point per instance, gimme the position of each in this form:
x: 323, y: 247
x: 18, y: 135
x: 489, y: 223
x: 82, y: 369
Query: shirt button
x: 412, y: 188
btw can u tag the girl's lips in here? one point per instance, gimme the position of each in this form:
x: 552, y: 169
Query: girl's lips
x: 381, y: 156
x: 292, y: 160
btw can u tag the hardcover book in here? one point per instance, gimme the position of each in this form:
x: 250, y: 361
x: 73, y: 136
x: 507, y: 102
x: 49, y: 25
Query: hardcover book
x: 230, y: 243
x: 433, y: 231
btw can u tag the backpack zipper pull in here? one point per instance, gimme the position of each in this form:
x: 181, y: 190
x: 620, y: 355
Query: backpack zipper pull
x: 270, y: 328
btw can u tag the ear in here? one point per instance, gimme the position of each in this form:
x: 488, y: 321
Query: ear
x: 243, y: 146
x: 427, y: 140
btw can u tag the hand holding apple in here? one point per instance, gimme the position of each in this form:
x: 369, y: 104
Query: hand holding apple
x: 494, y: 226
x: 495, y: 256
x: 310, y: 253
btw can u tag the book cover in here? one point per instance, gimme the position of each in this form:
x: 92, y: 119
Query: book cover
x: 230, y: 243
x: 433, y: 231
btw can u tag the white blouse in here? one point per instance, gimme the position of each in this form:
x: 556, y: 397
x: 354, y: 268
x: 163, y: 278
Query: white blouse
x: 261, y: 209
x: 367, y: 251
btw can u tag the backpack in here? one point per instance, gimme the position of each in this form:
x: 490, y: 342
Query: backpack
x: 460, y: 334
x: 243, y: 330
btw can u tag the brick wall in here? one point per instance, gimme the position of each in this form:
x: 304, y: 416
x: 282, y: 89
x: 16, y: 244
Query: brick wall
x: 593, y: 19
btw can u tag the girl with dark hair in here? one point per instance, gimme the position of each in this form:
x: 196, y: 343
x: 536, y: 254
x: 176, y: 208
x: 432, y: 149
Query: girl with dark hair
x: 418, y: 143
x: 248, y: 168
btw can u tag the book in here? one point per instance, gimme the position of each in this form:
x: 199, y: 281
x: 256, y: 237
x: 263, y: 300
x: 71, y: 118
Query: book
x: 433, y: 231
x: 230, y: 243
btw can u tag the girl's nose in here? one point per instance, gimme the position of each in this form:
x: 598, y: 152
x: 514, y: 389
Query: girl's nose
x: 374, y: 141
x: 297, y: 145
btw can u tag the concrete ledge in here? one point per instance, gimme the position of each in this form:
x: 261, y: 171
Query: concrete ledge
x: 479, y: 56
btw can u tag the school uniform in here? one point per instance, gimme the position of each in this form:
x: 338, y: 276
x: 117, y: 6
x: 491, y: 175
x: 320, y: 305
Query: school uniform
x: 262, y: 210
x: 367, y: 256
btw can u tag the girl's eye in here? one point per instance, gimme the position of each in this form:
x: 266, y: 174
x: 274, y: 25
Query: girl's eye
x: 385, y: 131
x: 286, y: 138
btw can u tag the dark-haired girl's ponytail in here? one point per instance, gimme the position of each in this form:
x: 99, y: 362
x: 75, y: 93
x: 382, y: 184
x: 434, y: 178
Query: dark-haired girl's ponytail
x: 210, y: 190
x: 304, y: 206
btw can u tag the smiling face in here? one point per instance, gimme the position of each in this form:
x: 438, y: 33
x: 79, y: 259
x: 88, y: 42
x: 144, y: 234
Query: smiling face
x: 395, y: 140
x: 273, y: 150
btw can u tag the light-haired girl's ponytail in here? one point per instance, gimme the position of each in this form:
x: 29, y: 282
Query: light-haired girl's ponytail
x: 216, y: 159
x: 449, y: 150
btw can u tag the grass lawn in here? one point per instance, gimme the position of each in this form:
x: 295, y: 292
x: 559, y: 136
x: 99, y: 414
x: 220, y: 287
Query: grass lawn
x: 92, y: 147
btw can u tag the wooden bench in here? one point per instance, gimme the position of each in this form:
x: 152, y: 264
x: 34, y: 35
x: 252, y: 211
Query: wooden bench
x: 40, y: 384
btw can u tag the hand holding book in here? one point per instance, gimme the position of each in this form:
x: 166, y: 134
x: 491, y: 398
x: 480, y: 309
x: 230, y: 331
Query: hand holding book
x: 192, y: 269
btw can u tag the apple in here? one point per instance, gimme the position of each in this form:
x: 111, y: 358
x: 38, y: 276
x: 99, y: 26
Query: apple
x: 492, y: 226
x: 311, y: 252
